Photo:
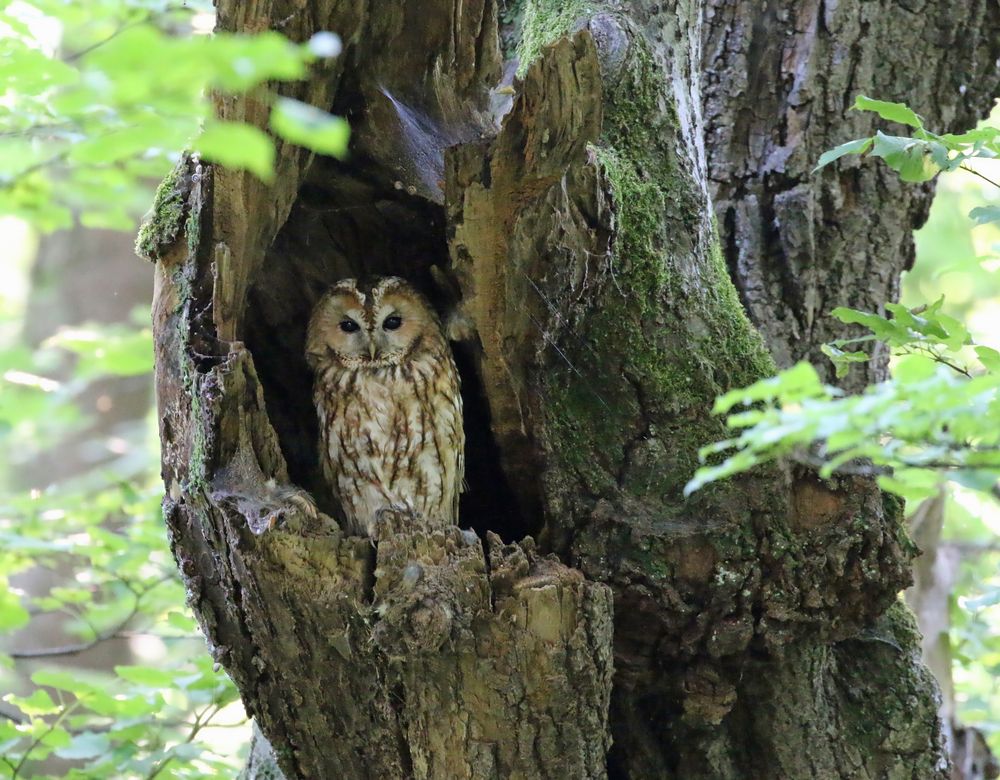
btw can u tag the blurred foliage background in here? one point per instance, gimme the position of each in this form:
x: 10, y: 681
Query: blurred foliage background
x: 960, y: 260
x: 102, y: 670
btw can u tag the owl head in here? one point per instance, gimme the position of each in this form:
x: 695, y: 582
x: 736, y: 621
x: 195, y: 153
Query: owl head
x: 378, y: 324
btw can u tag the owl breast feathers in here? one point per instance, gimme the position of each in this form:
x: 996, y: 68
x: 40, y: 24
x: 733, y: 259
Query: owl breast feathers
x: 387, y: 394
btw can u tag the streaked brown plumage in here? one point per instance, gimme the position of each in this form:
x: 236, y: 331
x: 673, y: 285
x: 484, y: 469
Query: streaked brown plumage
x: 387, y: 394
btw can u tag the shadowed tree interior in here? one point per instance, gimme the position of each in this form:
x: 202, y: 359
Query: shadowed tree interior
x: 340, y: 227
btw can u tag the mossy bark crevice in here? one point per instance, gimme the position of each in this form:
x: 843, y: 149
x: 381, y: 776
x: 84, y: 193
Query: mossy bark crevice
x: 165, y: 220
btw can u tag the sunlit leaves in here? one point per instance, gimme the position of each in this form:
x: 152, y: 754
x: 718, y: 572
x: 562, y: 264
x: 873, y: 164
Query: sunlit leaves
x: 989, y: 357
x: 12, y: 614
x: 97, y: 103
x: 103, y: 350
x: 103, y: 534
x: 920, y: 156
x: 938, y: 417
x: 307, y: 126
x: 123, y: 727
x: 925, y: 329
x: 796, y: 384
x: 238, y: 146
x: 892, y: 112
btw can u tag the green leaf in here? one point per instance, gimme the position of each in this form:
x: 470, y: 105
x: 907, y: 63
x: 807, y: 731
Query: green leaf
x: 956, y: 334
x: 310, y: 127
x: 240, y: 62
x: 181, y: 622
x: 12, y: 614
x: 54, y: 736
x: 64, y: 681
x: 892, y: 112
x: 989, y: 357
x: 145, y: 675
x: 914, y: 368
x: 238, y: 146
x: 914, y: 485
x: 880, y: 326
x: 30, y: 71
x: 910, y: 157
x: 72, y: 595
x: 842, y: 360
x: 86, y: 744
x: 114, y: 145
x: 741, y: 461
x: 857, y: 146
x: 983, y: 215
x: 124, y: 707
x: 984, y: 134
x: 799, y: 381
x: 38, y: 703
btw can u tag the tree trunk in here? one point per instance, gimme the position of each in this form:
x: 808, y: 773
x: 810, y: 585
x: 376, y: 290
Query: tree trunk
x: 568, y: 226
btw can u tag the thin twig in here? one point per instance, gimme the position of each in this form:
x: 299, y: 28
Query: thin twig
x: 86, y: 50
x: 38, y: 740
x: 118, y: 632
x: 200, y: 721
x: 974, y: 172
x: 938, y: 358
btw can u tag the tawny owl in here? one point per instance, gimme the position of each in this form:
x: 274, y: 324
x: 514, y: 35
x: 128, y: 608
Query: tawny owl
x: 387, y: 393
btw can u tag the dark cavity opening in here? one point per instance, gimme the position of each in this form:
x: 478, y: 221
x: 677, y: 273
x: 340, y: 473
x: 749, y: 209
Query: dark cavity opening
x: 353, y: 220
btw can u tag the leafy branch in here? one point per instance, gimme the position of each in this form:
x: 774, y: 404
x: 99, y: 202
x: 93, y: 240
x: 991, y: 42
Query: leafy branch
x: 923, y: 155
x: 102, y: 538
x: 116, y: 632
x: 936, y: 418
x: 86, y: 131
x: 63, y: 714
x: 939, y: 414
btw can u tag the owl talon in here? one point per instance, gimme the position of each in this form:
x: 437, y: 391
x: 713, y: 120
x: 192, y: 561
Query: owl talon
x: 293, y: 508
x: 304, y: 503
x: 386, y: 519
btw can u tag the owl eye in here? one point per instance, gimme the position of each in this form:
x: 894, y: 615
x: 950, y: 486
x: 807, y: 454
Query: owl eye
x: 392, y: 322
x: 349, y: 326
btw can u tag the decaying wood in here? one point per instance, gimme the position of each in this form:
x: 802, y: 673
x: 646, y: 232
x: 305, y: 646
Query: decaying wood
x: 570, y: 230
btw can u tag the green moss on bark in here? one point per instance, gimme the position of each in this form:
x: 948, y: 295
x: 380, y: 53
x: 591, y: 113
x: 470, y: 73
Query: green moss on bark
x: 162, y: 225
x: 545, y: 21
x: 669, y: 322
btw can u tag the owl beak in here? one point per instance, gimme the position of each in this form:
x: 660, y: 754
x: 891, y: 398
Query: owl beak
x: 372, y: 348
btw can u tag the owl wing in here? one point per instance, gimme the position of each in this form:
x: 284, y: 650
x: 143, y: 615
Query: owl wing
x: 456, y: 436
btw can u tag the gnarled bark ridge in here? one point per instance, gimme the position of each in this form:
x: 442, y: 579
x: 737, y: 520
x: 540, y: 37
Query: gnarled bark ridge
x: 568, y: 224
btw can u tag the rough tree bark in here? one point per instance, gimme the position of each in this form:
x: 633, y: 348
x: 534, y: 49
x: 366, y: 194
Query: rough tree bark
x: 586, y: 231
